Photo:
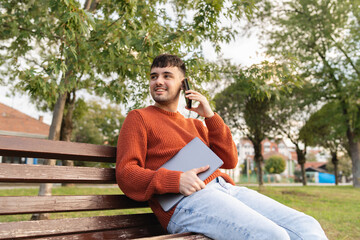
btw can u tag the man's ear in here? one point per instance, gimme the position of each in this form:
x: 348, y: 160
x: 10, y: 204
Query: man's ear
x: 182, y: 85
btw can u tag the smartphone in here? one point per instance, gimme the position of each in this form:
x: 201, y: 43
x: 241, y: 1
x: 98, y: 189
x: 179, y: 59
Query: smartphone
x: 187, y: 87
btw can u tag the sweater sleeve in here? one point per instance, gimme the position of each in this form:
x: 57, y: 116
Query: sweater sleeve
x: 221, y: 141
x: 136, y: 181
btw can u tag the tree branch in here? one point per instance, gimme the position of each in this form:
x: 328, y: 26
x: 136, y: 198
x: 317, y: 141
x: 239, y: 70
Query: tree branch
x: 52, y: 37
x: 346, y: 56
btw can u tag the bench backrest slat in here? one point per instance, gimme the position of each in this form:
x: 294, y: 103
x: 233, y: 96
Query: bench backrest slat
x: 74, y: 225
x: 48, y: 204
x: 43, y: 148
x: 55, y: 174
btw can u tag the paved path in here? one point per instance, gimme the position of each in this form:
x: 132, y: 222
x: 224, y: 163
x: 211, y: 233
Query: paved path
x: 31, y: 185
x: 292, y: 184
x: 21, y: 185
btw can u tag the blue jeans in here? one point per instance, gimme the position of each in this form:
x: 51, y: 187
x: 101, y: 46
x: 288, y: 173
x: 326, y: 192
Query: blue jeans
x: 224, y: 211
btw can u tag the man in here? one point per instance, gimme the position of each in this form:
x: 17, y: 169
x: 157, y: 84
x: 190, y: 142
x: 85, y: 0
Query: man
x: 215, y: 207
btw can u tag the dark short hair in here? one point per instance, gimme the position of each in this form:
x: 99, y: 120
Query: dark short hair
x: 168, y: 60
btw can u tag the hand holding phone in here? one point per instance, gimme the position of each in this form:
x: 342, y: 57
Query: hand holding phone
x: 204, y: 108
x: 187, y: 87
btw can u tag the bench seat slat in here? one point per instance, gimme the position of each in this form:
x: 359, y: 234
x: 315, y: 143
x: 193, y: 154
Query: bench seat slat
x: 55, y: 174
x: 43, y: 148
x: 41, y: 228
x: 130, y: 233
x: 178, y: 236
x: 49, y: 204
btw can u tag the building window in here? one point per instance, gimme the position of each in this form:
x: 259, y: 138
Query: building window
x: 267, y: 147
x: 18, y: 160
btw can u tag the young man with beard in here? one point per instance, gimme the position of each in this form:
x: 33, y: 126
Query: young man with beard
x: 215, y: 207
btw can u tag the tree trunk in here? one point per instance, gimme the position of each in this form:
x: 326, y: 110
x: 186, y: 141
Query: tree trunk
x: 54, y: 134
x: 303, y: 174
x: 90, y: 5
x: 247, y: 169
x: 335, y: 161
x: 67, y: 127
x: 259, y: 162
x: 301, y: 160
x: 354, y: 148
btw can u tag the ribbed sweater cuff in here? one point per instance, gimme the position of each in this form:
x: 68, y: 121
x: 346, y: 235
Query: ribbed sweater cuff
x: 214, y: 122
x: 170, y: 180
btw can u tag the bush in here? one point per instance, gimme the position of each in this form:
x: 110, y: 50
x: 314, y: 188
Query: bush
x: 275, y: 164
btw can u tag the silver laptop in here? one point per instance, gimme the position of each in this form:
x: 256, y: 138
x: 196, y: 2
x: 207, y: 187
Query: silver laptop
x: 194, y: 155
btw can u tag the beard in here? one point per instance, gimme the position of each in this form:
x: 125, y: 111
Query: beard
x: 166, y: 98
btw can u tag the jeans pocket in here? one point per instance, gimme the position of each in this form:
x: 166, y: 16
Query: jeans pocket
x: 224, y: 184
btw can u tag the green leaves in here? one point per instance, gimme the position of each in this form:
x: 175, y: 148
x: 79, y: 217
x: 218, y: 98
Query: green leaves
x: 96, y: 123
x: 267, y: 79
x: 107, y: 48
x: 248, y: 103
x: 326, y: 128
x: 318, y: 37
x: 275, y: 164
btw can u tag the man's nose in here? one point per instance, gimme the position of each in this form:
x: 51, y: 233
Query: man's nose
x: 159, y: 80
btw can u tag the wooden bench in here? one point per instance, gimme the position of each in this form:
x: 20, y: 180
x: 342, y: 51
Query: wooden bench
x: 126, y: 226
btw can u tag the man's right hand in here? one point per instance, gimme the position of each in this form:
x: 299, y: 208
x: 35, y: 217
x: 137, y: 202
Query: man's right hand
x: 190, y: 182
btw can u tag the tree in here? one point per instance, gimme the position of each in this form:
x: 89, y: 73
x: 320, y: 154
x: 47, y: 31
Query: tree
x: 322, y: 37
x: 344, y: 166
x: 96, y: 123
x: 247, y: 103
x: 106, y: 47
x: 327, y: 127
x: 275, y: 164
x: 54, y: 48
x: 103, y: 121
x: 310, y: 157
x: 293, y: 110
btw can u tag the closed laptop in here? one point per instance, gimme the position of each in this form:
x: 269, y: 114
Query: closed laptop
x: 194, y: 155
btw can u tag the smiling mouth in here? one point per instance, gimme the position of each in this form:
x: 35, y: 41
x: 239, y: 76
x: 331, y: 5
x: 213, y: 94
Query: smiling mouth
x: 160, y: 89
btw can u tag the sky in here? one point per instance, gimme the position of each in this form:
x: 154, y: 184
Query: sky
x: 243, y: 50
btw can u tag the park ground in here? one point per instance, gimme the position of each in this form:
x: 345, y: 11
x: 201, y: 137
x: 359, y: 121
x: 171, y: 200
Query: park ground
x: 337, y: 208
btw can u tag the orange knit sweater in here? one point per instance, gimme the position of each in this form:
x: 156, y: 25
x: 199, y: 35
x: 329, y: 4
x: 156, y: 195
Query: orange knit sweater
x: 151, y: 136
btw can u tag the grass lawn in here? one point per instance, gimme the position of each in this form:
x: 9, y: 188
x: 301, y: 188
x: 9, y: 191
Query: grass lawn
x: 336, y: 208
